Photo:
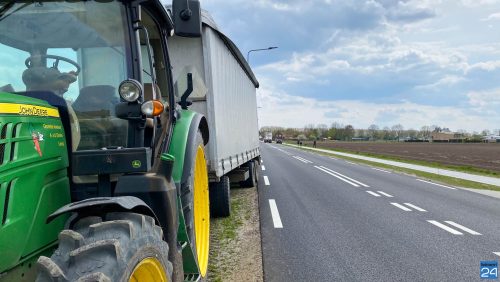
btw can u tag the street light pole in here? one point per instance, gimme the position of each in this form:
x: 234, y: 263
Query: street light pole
x: 254, y: 50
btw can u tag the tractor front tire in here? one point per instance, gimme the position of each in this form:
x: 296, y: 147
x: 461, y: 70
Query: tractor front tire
x: 121, y: 246
x: 195, y: 205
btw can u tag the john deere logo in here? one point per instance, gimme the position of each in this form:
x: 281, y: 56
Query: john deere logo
x: 136, y: 164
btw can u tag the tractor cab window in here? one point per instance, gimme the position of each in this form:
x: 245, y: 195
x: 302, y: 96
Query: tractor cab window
x: 153, y: 58
x: 154, y: 75
x: 76, y: 50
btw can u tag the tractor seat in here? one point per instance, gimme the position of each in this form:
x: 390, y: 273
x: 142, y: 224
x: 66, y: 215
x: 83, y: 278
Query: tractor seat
x: 96, y: 100
x: 95, y: 107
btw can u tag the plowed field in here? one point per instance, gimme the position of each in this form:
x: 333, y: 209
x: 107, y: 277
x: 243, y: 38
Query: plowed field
x: 478, y: 155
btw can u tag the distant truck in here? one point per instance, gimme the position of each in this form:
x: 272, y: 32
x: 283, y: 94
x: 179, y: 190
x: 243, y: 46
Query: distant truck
x: 224, y: 91
x: 279, y: 139
x: 268, y: 137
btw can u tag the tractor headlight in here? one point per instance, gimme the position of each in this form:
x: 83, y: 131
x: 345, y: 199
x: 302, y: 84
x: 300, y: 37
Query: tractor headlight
x: 130, y: 90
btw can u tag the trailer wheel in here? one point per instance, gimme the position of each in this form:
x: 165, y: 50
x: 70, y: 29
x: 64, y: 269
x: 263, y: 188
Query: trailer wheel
x: 220, y: 198
x: 121, y: 247
x: 252, y: 172
x: 196, y: 206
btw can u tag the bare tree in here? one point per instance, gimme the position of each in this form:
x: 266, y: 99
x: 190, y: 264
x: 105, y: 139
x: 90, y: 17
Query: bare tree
x: 372, y: 131
x: 425, y: 131
x: 397, y: 130
x: 348, y: 132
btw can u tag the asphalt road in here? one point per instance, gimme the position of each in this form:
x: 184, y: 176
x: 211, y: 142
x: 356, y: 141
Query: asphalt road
x: 326, y: 219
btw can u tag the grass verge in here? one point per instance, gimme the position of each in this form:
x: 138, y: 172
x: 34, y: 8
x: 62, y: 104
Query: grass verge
x: 231, y: 239
x: 434, y: 177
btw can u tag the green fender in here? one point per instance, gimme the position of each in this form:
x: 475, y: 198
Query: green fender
x: 184, y: 133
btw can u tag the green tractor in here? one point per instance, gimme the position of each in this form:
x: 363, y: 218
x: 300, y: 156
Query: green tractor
x: 103, y: 174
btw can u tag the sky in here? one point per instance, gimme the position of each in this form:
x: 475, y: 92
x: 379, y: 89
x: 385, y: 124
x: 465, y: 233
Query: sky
x: 383, y: 62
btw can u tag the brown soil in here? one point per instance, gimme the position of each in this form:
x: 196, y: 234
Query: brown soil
x: 478, y: 155
x: 235, y: 246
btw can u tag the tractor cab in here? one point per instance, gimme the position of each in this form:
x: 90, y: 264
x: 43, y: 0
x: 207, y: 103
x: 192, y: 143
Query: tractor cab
x: 103, y: 64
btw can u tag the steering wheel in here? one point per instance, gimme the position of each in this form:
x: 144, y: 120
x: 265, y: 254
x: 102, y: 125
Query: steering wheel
x: 28, y: 62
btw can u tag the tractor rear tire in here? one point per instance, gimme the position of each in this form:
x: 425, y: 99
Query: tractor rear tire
x: 252, y: 175
x: 220, y: 198
x: 120, y: 247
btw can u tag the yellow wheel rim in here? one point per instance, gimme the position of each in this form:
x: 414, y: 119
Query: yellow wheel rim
x: 148, y: 270
x: 201, y: 211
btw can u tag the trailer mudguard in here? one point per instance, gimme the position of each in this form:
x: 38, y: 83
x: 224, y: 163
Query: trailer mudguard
x: 183, y: 136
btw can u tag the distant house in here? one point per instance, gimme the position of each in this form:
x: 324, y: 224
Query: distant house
x: 447, y: 137
x: 491, y: 139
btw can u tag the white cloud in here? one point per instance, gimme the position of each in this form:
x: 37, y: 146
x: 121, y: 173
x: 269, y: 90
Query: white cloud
x: 373, y: 53
x: 485, y: 66
x: 485, y: 101
x: 448, y: 80
x: 478, y: 3
x: 492, y: 17
x: 281, y: 109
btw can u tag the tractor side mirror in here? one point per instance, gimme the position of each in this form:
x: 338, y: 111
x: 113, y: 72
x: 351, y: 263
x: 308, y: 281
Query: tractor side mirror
x: 187, y: 17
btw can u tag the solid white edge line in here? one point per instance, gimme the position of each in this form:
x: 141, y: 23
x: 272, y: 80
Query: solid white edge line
x: 266, y: 180
x: 275, y: 214
x: 262, y: 167
x: 436, y: 184
x: 373, y: 193
x: 497, y: 253
x: 400, y: 206
x: 415, y: 207
x: 353, y: 180
x: 462, y: 227
x: 381, y: 170
x: 385, y: 194
x: 444, y: 227
x: 334, y: 175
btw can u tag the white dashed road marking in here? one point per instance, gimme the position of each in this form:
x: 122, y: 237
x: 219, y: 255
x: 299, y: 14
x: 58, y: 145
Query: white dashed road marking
x: 415, y: 207
x: 346, y: 177
x: 497, y: 253
x: 442, y: 226
x: 462, y: 227
x: 400, y: 206
x: 452, y: 188
x: 266, y: 180
x: 263, y: 167
x: 385, y: 194
x: 334, y: 175
x: 275, y: 214
x: 302, y: 160
x: 373, y: 193
x: 381, y: 170
x: 351, y: 163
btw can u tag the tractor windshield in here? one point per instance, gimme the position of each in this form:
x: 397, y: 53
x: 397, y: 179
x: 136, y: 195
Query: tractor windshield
x: 74, y: 49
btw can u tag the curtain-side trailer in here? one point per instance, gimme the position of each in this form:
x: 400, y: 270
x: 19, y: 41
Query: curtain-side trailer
x: 224, y: 91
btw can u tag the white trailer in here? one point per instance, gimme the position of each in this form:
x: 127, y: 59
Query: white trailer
x: 224, y: 91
